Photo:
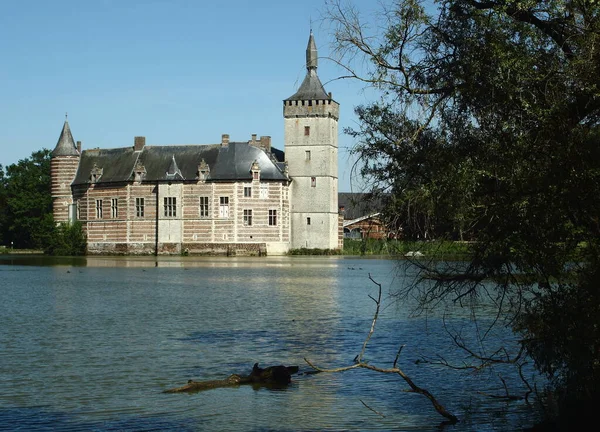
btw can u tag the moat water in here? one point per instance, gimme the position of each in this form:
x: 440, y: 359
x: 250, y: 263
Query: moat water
x: 89, y: 344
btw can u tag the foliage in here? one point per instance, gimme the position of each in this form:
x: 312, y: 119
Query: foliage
x: 392, y: 247
x: 67, y: 240
x: 487, y: 129
x: 3, y: 209
x: 26, y: 220
x: 27, y: 210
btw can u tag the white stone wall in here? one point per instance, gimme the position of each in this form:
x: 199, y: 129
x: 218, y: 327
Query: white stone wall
x: 170, y: 229
x: 322, y: 233
x: 322, y: 198
x: 314, y: 188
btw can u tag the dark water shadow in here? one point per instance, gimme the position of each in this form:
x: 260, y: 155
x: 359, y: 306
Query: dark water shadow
x: 40, y: 419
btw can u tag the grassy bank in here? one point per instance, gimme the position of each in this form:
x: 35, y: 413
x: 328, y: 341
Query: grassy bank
x: 316, y: 251
x: 441, y: 249
x: 8, y: 251
x: 437, y: 249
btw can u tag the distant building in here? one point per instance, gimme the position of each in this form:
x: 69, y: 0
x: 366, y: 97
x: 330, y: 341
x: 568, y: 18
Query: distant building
x: 232, y: 197
x: 362, y: 217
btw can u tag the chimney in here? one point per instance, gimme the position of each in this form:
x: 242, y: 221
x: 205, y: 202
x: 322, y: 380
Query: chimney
x: 79, y: 147
x: 225, y: 140
x: 329, y: 94
x: 253, y: 139
x: 265, y: 143
x: 138, y: 143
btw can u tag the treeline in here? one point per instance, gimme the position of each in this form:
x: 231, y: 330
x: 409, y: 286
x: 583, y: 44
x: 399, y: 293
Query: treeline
x: 487, y: 128
x: 26, y: 220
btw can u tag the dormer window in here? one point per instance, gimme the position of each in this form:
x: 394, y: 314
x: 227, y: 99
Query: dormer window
x: 95, y: 174
x: 203, y: 170
x: 255, y: 171
x: 139, y: 172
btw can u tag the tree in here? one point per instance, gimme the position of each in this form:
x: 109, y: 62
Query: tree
x: 66, y: 240
x: 2, y: 205
x: 487, y: 127
x: 28, y: 201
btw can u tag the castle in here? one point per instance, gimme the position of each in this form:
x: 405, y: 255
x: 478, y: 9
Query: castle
x: 227, y: 198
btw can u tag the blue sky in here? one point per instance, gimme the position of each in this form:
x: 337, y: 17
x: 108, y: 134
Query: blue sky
x: 174, y: 71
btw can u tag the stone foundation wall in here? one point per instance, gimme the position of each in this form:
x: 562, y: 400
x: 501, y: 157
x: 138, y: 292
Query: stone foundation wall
x: 228, y: 249
x: 108, y: 248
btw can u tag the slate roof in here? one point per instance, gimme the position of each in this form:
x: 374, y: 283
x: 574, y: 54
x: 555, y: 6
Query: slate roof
x: 180, y: 162
x: 65, y: 145
x: 311, y: 88
x: 357, y: 205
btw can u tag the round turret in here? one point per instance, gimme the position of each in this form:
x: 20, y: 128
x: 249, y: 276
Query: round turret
x: 63, y: 167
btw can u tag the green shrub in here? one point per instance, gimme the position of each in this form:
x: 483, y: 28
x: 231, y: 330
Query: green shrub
x: 66, y: 240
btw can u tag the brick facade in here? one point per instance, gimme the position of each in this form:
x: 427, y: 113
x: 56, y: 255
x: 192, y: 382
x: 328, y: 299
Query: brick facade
x: 120, y: 225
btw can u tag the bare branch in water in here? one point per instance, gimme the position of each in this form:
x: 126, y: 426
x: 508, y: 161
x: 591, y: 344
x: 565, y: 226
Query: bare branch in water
x: 376, y: 412
x: 359, y: 363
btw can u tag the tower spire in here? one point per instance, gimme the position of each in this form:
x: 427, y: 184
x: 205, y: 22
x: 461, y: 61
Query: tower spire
x: 311, y: 88
x: 311, y: 54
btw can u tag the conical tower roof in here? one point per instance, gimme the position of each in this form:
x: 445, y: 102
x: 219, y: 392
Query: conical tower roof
x: 65, y: 145
x: 311, y: 87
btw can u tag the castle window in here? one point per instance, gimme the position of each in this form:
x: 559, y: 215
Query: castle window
x: 204, y: 207
x: 114, y: 208
x: 306, y: 130
x: 170, y: 206
x: 78, y: 210
x: 307, y: 155
x: 98, y: 209
x: 313, y: 182
x: 247, y: 192
x: 272, y: 217
x: 307, y: 221
x: 247, y: 217
x: 72, y: 213
x: 223, y: 207
x: 139, y: 207
x: 264, y: 191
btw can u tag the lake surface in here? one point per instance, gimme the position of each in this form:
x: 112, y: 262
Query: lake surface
x: 91, y: 343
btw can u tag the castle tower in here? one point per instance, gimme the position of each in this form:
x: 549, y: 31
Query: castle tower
x: 63, y: 167
x: 311, y: 152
